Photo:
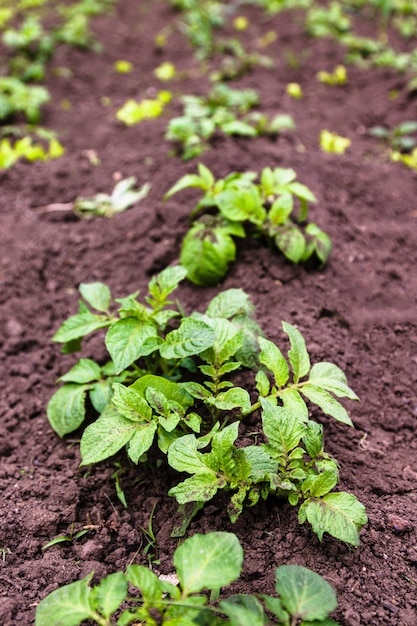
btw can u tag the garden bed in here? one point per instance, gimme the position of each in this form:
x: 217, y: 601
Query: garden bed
x: 358, y: 312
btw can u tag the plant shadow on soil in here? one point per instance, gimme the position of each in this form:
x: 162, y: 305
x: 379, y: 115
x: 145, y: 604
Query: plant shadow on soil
x: 359, y: 312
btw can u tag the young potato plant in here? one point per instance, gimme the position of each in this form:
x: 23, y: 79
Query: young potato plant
x: 27, y: 148
x: 235, y: 206
x: 225, y: 109
x: 172, y: 391
x: 202, y: 563
x: 18, y: 98
x: 399, y: 137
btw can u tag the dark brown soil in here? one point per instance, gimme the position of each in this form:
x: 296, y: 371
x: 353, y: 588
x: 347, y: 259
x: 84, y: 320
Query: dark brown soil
x: 360, y: 312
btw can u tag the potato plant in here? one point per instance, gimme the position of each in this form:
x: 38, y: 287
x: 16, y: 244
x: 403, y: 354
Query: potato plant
x: 236, y: 206
x: 169, y: 387
x: 225, y: 109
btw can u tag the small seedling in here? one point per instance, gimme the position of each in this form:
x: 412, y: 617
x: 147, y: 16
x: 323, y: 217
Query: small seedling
x: 122, y: 198
x: 27, y: 148
x: 203, y: 563
x: 399, y: 138
x: 133, y: 112
x: 151, y: 548
x: 337, y: 78
x: 332, y: 142
x: 410, y: 160
x: 4, y: 552
x: 236, y: 204
x: 70, y: 538
x: 123, y: 67
x: 166, y: 71
x: 294, y: 90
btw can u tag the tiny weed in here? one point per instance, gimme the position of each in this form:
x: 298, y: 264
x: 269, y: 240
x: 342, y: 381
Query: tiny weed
x: 337, y: 78
x: 133, y: 112
x: 332, y: 142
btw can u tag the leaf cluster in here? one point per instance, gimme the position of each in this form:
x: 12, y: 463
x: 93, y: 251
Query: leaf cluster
x: 275, y: 208
x: 399, y: 137
x: 18, y: 98
x: 172, y: 391
x: 133, y: 112
x: 225, y: 109
x: 27, y: 148
x: 202, y: 563
x: 31, y: 44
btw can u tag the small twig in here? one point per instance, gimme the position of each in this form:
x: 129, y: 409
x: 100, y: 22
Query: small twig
x: 55, y: 206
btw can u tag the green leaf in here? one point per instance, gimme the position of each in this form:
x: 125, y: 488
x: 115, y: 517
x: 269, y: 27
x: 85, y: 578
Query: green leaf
x: 321, y: 484
x: 196, y: 390
x: 274, y: 606
x: 282, y: 177
x: 80, y: 325
x: 66, y: 408
x: 85, y: 371
x: 290, y: 240
x: 110, y: 593
x: 261, y: 464
x: 340, y: 515
x: 189, y: 180
x: 229, y: 303
x: 166, y: 281
x: 239, y: 205
x: 207, y: 257
x: 313, y: 439
x: 100, y: 395
x: 141, y: 441
x: 302, y: 192
x: 304, y: 593
x: 243, y: 610
x: 262, y: 383
x: 125, y: 341
x: 191, y: 338
x: 232, y: 399
x: 183, y: 456
x: 222, y: 458
x: 130, y: 404
x: 197, y: 488
x: 208, y: 561
x: 327, y: 403
x: 282, y: 431
x: 272, y: 357
x: 173, y: 392
x: 320, y: 242
x: 298, y: 355
x: 106, y: 436
x: 228, y: 339
x: 146, y: 581
x: 281, y: 209
x: 248, y: 354
x: 332, y: 378
x: 97, y: 295
x: 68, y: 606
x: 237, y: 127
x: 294, y: 404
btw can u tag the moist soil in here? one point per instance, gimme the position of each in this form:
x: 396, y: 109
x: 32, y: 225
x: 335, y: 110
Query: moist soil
x: 359, y: 312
